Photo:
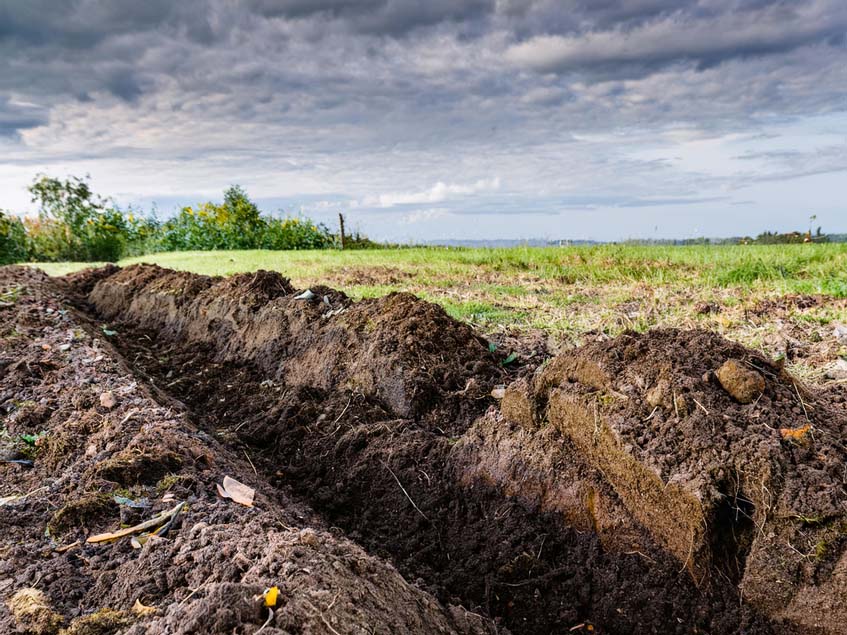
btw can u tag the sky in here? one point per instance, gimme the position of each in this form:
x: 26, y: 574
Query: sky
x: 459, y: 119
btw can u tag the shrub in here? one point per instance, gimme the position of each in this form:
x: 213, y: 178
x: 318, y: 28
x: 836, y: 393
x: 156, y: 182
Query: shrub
x: 234, y: 224
x: 295, y: 233
x: 238, y: 224
x: 74, y: 223
x: 13, y: 242
x: 143, y: 233
x: 48, y: 240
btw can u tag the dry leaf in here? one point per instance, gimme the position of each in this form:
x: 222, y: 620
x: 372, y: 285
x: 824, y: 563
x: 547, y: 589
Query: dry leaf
x: 139, y: 609
x: 239, y: 492
x: 795, y: 433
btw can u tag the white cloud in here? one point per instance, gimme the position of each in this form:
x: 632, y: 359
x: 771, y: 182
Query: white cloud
x: 438, y: 193
x: 423, y: 215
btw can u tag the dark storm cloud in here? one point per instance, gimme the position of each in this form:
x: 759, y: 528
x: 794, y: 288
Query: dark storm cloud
x: 706, y: 33
x: 383, y: 17
x: 370, y: 97
x: 84, y: 24
x: 16, y: 116
x: 125, y: 48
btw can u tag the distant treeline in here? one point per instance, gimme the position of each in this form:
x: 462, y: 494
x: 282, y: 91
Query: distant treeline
x: 75, y: 224
x: 765, y: 238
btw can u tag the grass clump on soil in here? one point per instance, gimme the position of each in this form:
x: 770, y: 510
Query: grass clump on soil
x: 131, y: 467
x: 169, y: 481
x: 106, y: 621
x: 85, y: 512
x: 10, y: 296
x: 31, y: 610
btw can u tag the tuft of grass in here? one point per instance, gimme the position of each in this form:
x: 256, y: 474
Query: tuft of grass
x: 10, y: 296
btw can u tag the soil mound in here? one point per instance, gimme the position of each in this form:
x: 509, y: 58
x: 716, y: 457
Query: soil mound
x: 728, y: 461
x: 72, y: 467
x: 407, y: 354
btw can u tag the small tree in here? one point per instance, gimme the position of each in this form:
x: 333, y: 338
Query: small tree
x: 241, y: 222
x: 79, y: 225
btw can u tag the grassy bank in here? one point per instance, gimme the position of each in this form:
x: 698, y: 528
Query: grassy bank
x: 574, y: 292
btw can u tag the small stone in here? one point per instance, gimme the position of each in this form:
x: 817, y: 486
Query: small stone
x: 744, y: 384
x: 499, y: 392
x: 107, y: 400
x: 840, y: 333
x: 837, y: 370
x: 660, y: 394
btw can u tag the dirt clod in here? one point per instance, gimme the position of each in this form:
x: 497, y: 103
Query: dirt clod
x: 107, y: 400
x: 744, y: 384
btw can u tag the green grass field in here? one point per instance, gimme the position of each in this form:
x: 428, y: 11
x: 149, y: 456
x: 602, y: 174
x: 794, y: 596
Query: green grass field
x: 569, y: 293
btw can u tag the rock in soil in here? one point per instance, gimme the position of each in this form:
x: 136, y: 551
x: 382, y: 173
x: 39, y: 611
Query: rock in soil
x: 744, y: 384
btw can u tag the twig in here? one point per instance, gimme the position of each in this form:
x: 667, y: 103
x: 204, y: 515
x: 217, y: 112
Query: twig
x: 148, y: 524
x: 802, y: 403
x: 701, y: 406
x: 638, y: 553
x: 65, y: 548
x: 247, y: 456
x: 321, y: 615
x: 267, y: 621
x: 13, y: 498
x: 190, y: 595
x: 327, y: 624
x: 337, y: 419
x: 129, y: 416
x: 331, y: 604
x: 404, y: 490
x: 542, y: 578
x: 596, y: 424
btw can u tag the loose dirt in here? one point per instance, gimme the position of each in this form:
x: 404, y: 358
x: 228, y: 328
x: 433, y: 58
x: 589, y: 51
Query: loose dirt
x: 616, y: 488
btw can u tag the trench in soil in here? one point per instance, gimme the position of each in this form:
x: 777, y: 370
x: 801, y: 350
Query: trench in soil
x: 388, y: 484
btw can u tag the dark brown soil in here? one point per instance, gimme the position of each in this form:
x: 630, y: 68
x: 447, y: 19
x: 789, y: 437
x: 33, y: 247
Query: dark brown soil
x: 204, y: 576
x: 739, y: 473
x: 599, y: 497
